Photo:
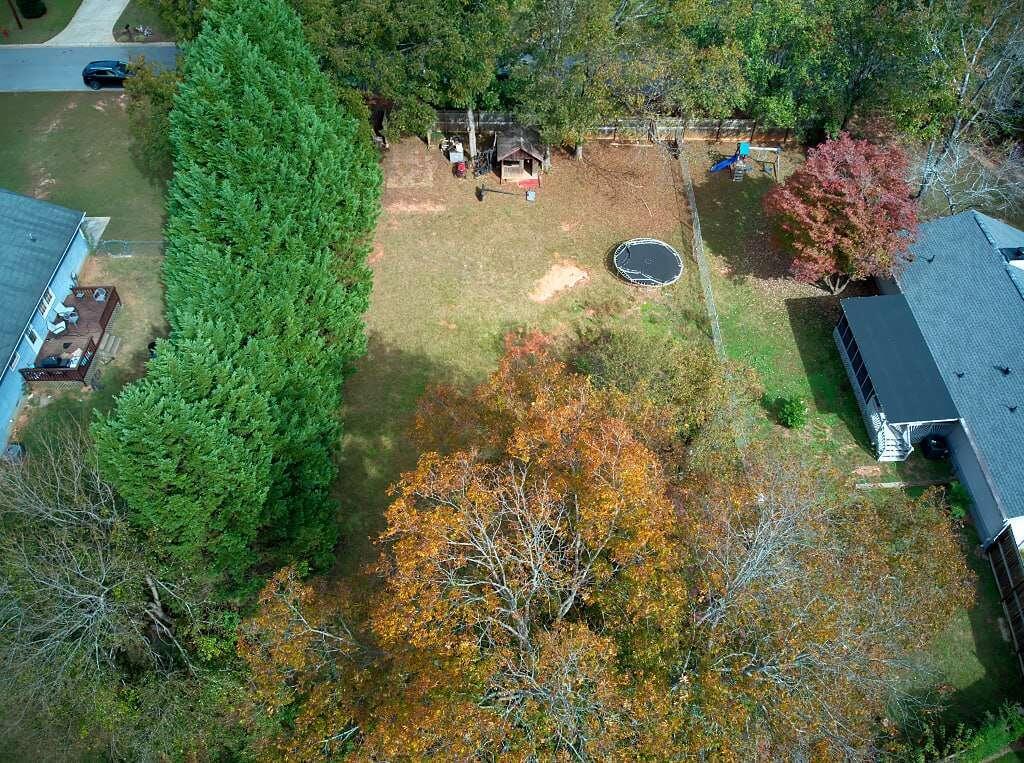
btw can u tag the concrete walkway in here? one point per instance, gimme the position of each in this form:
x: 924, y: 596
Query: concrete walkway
x: 92, y: 24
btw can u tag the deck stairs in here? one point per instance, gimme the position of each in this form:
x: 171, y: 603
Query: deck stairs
x: 105, y: 353
x: 891, y: 444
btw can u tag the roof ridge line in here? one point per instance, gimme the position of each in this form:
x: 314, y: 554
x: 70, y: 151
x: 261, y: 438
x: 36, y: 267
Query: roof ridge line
x: 988, y: 236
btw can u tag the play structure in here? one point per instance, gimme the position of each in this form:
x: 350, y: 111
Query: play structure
x: 740, y: 162
x: 647, y: 262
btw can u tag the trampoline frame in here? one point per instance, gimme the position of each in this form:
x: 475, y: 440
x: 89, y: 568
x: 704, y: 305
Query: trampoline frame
x: 628, y: 275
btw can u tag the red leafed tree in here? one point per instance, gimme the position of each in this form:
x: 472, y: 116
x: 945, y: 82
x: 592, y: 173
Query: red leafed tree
x: 846, y: 214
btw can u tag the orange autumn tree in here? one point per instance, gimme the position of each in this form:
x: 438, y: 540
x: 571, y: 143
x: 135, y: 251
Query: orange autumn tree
x: 529, y: 567
x: 304, y: 661
x: 547, y: 592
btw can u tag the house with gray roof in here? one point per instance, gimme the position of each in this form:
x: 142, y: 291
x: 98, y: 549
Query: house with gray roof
x: 50, y: 325
x: 941, y: 352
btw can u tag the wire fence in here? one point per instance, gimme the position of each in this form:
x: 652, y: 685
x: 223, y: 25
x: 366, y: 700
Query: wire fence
x: 633, y: 129
x: 704, y: 270
x: 123, y: 248
x: 701, y: 259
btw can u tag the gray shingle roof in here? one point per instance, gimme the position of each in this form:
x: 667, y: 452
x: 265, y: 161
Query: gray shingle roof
x: 903, y: 373
x: 34, y: 235
x: 972, y: 317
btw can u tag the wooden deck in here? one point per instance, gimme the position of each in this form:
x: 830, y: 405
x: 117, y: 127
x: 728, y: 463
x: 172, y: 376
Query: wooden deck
x: 66, y: 356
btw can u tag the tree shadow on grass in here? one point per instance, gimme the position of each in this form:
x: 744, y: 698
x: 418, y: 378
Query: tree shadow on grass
x: 1002, y: 680
x: 380, y: 401
x: 972, y: 635
x: 734, y: 227
x: 812, y: 320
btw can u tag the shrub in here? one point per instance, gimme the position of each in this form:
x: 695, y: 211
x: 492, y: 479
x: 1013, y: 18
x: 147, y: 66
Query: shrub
x: 791, y: 411
x: 224, y: 450
x: 966, y: 744
x: 959, y: 500
x: 685, y: 377
x: 150, y: 98
x: 32, y: 9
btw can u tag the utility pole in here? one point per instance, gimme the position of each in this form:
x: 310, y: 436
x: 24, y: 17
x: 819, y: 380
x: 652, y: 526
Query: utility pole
x: 15, y: 12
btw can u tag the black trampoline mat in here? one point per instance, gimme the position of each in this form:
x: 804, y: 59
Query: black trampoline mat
x: 649, y: 263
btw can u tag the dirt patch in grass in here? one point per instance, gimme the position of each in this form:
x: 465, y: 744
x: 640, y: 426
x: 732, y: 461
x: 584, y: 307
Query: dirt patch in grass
x: 42, y: 183
x: 559, y: 278
x: 409, y: 206
x: 415, y: 179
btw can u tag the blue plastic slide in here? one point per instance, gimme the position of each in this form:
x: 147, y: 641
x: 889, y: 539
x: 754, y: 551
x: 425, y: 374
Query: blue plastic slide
x: 725, y: 163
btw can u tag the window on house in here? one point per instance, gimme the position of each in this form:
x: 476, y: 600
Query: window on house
x: 15, y: 361
x: 46, y: 302
x: 32, y: 336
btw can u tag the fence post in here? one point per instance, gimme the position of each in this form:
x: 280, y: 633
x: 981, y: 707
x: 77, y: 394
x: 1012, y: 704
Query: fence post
x: 753, y: 129
x: 472, y: 132
x: 718, y: 135
x: 785, y: 138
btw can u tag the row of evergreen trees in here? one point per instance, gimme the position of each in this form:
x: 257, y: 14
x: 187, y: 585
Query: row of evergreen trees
x: 224, y: 450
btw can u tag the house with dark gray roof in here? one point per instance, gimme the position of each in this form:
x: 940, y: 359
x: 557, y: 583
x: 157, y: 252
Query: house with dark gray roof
x: 941, y: 352
x: 49, y: 324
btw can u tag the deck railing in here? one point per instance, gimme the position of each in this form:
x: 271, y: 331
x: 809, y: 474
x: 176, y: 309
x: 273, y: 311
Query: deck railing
x: 113, y: 300
x: 76, y: 374
x: 87, y: 325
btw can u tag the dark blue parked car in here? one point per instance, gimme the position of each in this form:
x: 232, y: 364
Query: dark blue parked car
x: 105, y: 73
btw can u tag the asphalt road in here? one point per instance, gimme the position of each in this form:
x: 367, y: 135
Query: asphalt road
x: 36, y: 68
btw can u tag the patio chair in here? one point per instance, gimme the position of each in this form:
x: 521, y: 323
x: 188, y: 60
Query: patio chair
x: 57, y: 328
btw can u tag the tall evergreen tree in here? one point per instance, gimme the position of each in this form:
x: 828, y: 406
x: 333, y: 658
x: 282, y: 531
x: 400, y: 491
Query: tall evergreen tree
x: 224, y: 450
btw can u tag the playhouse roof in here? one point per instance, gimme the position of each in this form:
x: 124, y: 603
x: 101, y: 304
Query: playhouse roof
x: 513, y: 140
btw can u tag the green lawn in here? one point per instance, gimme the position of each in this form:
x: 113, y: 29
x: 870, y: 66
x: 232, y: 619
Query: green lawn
x: 784, y: 331
x: 453, y: 275
x: 975, y: 668
x: 139, y: 13
x: 72, y: 149
x: 58, y: 14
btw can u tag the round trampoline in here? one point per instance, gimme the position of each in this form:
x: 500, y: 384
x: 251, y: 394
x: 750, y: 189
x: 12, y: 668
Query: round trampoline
x: 648, y: 262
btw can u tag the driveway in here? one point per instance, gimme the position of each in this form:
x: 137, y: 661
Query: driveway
x: 36, y: 68
x: 93, y: 24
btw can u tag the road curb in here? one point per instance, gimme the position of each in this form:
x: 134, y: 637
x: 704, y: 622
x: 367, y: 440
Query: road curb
x: 43, y: 45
